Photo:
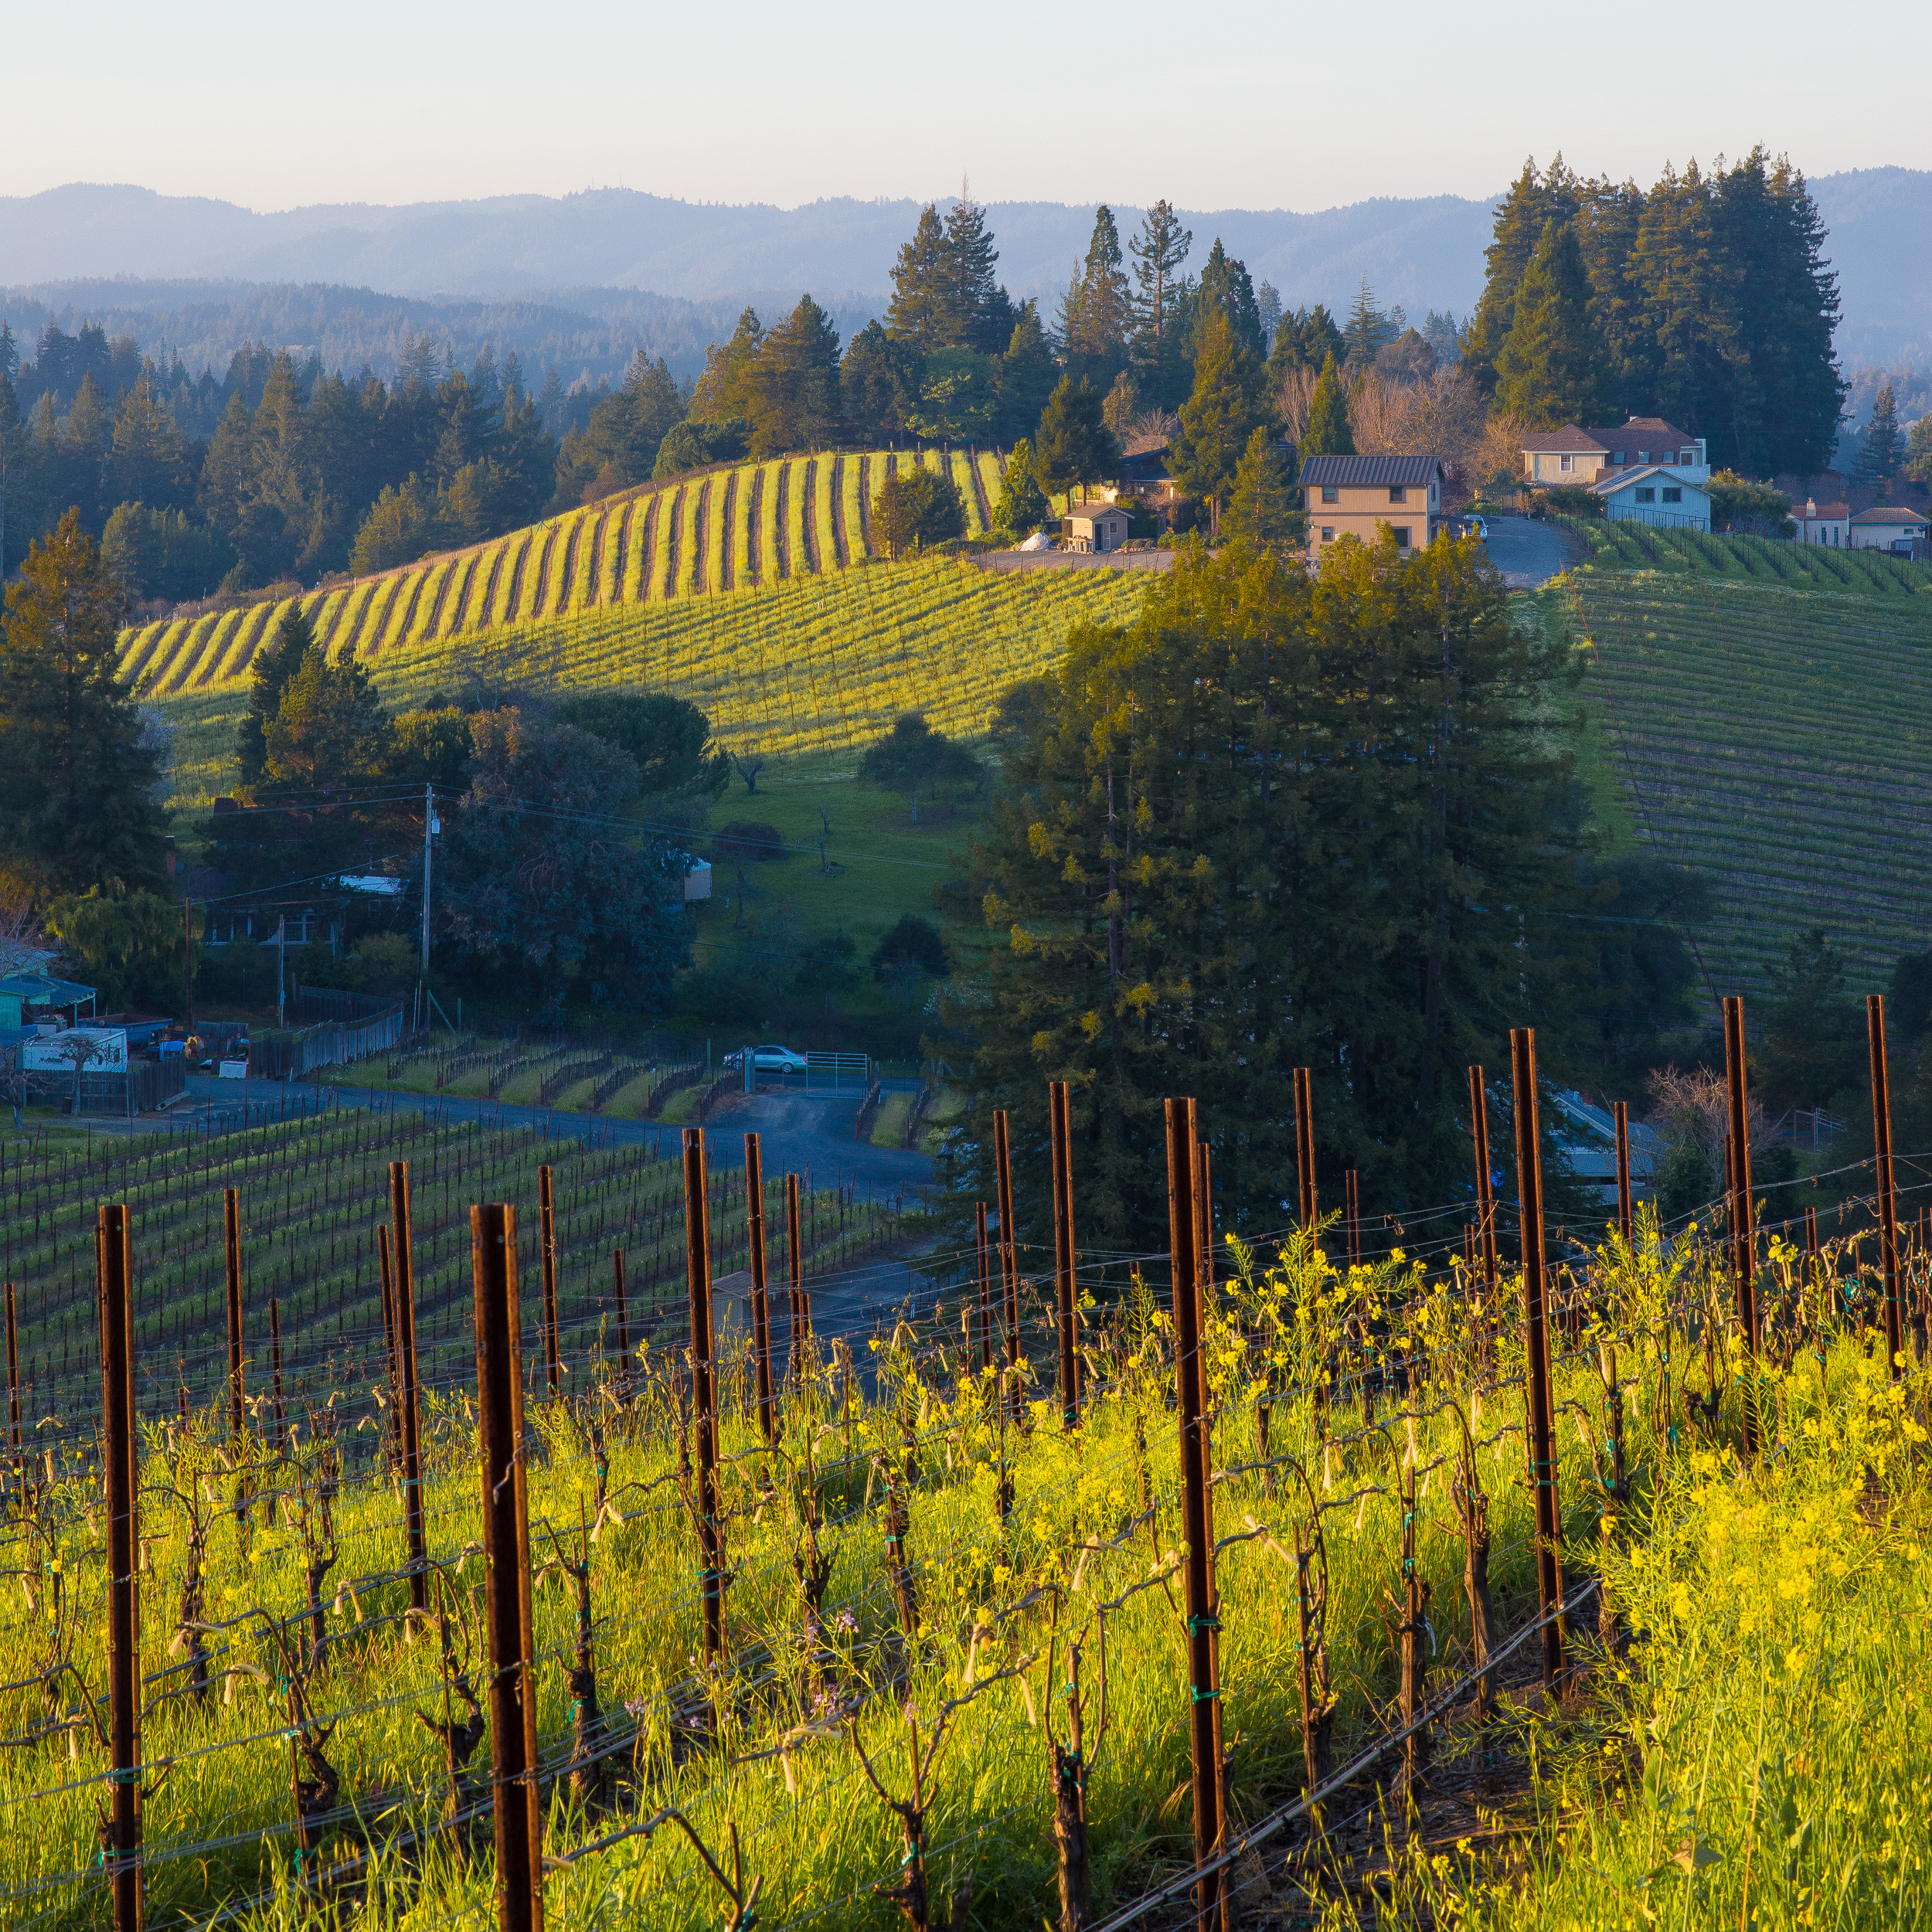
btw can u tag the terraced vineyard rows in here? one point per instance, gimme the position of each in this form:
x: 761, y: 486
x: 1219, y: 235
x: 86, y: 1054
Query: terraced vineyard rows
x: 1781, y: 740
x: 733, y: 529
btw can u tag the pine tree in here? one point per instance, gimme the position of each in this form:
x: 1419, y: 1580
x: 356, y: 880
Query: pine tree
x: 1532, y: 203
x: 1550, y: 369
x: 148, y: 462
x: 1272, y: 825
x: 1261, y: 512
x: 1074, y: 444
x: 1022, y: 505
x: 1878, y: 456
x: 922, y: 310
x: 1027, y: 374
x: 1690, y: 316
x: 795, y: 383
x: 1328, y: 432
x: 76, y: 784
x: 983, y: 317
x: 1369, y: 328
x: 330, y: 728
x: 276, y: 662
x: 1224, y: 289
x: 1229, y: 402
x: 728, y: 388
x: 1159, y: 251
x: 1267, y: 302
x: 1097, y: 313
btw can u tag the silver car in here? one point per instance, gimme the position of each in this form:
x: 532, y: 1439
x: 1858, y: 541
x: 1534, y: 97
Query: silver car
x: 769, y: 1059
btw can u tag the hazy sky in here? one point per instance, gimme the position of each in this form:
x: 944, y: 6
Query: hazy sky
x: 1293, y: 106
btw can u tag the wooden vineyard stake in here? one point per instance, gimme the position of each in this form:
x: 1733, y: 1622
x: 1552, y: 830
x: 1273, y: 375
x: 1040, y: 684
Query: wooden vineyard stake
x: 547, y: 1213
x: 624, y: 1320
x: 506, y: 1550
x: 393, y: 1421
x: 704, y: 1394
x: 1009, y: 1256
x: 1204, y: 1220
x: 760, y: 1308
x: 1065, y: 1309
x: 411, y: 1440
x: 1542, y: 1417
x: 1485, y: 1213
x: 795, y: 1260
x: 1888, y: 1203
x: 985, y: 1289
x: 1351, y: 1194
x: 114, y: 1250
x: 231, y: 1218
x: 1197, y: 1517
x: 1743, y: 1229
x: 13, y: 1385
x: 1626, y: 1223
x: 275, y: 1373
x: 1309, y: 1214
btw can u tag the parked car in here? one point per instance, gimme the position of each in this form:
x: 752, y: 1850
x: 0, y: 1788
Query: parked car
x: 768, y: 1059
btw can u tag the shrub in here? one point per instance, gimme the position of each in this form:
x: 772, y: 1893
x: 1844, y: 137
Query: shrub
x: 1570, y: 499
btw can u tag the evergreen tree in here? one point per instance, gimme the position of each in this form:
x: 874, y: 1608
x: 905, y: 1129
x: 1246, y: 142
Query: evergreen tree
x: 880, y: 383
x: 1814, y: 1046
x: 794, y: 384
x: 1267, y: 302
x: 1074, y: 444
x: 728, y: 389
x: 1027, y: 373
x: 1370, y: 328
x: 1328, y: 432
x: 1226, y: 290
x: 148, y: 461
x: 983, y: 315
x: 1097, y: 313
x: 275, y: 663
x: 1022, y: 505
x: 1304, y: 340
x: 76, y: 784
x: 1273, y: 824
x: 1878, y: 456
x: 922, y: 310
x: 1532, y: 203
x: 1261, y: 512
x: 1159, y: 251
x: 329, y: 730
x: 1549, y: 371
x: 1230, y: 403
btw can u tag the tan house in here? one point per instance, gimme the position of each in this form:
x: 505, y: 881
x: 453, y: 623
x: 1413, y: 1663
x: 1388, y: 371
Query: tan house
x: 1093, y: 526
x: 1355, y: 495
x: 1574, y: 455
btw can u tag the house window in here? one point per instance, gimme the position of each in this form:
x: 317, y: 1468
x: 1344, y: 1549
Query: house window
x: 1330, y: 494
x: 1673, y: 496
x: 1566, y: 462
x: 1328, y: 537
x: 1401, y: 536
x: 1647, y: 496
x: 1397, y: 494
x: 1616, y: 459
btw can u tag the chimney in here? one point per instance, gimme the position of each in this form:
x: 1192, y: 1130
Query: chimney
x: 170, y: 858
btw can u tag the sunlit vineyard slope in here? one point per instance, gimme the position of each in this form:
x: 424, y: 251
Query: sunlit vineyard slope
x: 756, y: 524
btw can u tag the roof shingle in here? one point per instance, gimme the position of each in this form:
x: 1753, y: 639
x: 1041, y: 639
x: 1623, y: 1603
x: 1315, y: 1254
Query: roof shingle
x: 1360, y: 472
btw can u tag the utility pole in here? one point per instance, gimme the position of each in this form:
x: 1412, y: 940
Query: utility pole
x: 281, y: 957
x: 188, y: 964
x: 428, y: 831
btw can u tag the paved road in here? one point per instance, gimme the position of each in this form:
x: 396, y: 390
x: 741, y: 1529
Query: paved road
x: 797, y: 1132
x: 1527, y: 554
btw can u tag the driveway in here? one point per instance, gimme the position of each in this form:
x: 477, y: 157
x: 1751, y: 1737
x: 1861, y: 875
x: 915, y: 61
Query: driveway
x: 1527, y: 554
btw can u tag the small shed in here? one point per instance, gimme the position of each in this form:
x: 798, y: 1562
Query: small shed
x: 25, y: 996
x: 1093, y: 526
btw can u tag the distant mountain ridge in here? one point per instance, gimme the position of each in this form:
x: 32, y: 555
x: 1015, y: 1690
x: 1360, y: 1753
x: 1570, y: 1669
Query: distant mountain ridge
x: 1422, y: 253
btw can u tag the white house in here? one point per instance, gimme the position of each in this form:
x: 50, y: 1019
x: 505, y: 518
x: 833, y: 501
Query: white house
x: 1887, y: 527
x: 1665, y: 498
x: 1093, y: 526
x: 1829, y: 523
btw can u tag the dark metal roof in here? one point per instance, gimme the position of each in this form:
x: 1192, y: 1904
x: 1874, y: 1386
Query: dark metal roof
x: 1368, y: 471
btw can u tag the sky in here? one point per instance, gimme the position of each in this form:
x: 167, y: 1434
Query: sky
x: 1273, y: 105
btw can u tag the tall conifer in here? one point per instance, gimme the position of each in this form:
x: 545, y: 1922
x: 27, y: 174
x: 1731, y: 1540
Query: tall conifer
x: 1550, y: 369
x: 1328, y: 432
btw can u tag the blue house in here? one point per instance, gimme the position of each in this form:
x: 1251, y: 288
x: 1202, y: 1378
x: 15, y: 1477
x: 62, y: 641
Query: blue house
x: 1665, y: 498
